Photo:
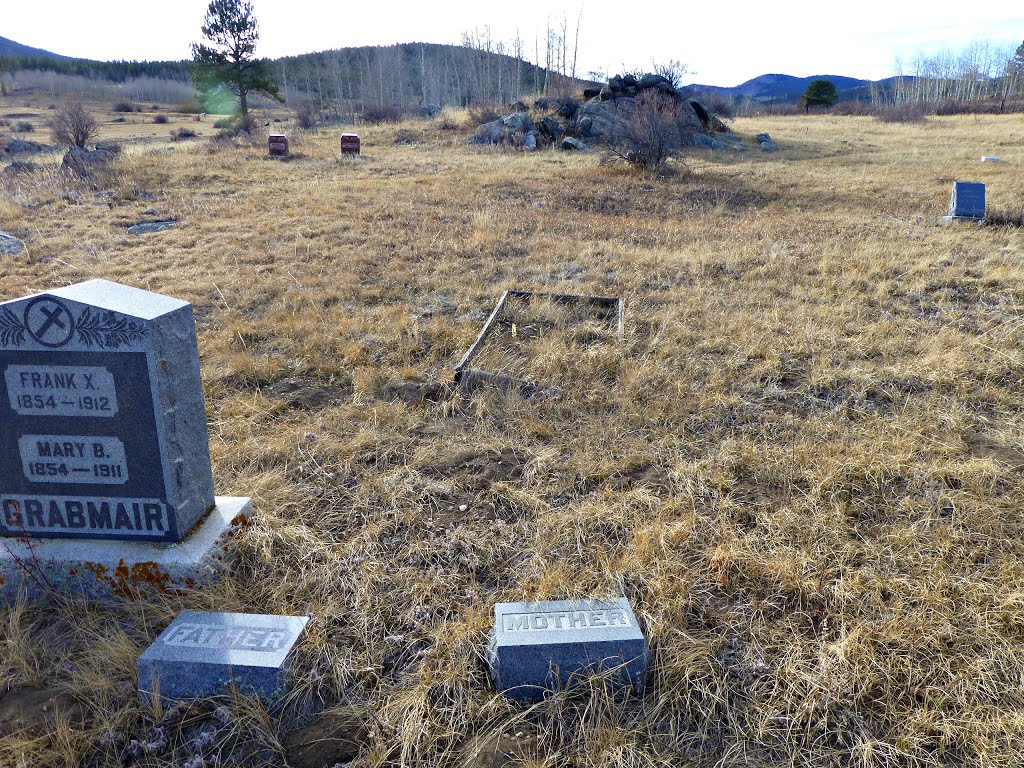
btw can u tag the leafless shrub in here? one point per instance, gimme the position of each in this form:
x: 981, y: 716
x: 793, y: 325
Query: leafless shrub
x: 160, y: 119
x: 913, y: 112
x: 483, y: 114
x: 72, y: 125
x: 124, y: 106
x: 447, y: 123
x: 719, y: 104
x: 180, y: 134
x: 23, y: 126
x: 381, y: 113
x: 655, y: 132
x: 306, y: 116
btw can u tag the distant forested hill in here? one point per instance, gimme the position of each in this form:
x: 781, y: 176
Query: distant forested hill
x: 9, y: 48
x: 406, y: 76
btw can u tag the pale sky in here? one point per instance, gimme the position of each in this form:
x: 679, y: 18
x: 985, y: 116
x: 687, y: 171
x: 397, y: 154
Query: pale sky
x: 722, y: 43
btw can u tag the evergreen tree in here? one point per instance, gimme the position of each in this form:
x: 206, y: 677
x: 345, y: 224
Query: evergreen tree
x: 227, y: 64
x: 819, y: 93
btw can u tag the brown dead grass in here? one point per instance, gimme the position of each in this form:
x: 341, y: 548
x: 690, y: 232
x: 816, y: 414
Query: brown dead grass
x: 802, y: 465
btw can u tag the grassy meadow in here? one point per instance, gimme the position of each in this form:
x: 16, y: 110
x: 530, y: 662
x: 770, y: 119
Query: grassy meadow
x: 802, y: 463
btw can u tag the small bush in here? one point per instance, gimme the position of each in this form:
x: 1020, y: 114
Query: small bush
x: 120, y: 120
x: 306, y: 116
x: 482, y: 114
x: 180, y: 134
x: 124, y: 106
x: 656, y: 131
x: 853, y: 108
x: 381, y: 113
x: 23, y: 126
x: 72, y: 125
x: 719, y: 104
x: 187, y: 108
x: 160, y: 119
x: 903, y: 113
x: 447, y: 123
x: 223, y: 124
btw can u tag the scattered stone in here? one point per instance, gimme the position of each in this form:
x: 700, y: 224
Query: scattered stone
x: 334, y: 738
x: 536, y: 647
x: 966, y: 202
x: 24, y: 147
x: 149, y: 227
x: 571, y: 144
x: 83, y: 162
x: 202, y: 654
x: 103, y: 436
x: 766, y: 142
x: 9, y: 246
x: 707, y: 142
x: 530, y: 140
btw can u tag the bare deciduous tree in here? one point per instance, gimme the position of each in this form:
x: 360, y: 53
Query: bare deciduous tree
x: 72, y: 125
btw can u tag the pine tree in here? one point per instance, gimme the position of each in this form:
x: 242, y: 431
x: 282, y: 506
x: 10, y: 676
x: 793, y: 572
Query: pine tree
x: 228, y: 62
x: 819, y: 93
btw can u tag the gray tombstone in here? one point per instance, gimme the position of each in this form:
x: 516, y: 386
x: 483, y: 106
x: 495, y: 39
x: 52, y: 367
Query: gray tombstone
x: 542, y: 646
x: 103, y: 432
x: 203, y: 654
x: 104, y: 456
x: 967, y: 201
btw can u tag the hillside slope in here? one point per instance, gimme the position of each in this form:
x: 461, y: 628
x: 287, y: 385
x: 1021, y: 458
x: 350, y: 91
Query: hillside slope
x: 12, y: 48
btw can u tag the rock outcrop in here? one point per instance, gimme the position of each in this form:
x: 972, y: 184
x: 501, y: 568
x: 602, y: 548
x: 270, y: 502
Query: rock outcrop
x: 603, y: 116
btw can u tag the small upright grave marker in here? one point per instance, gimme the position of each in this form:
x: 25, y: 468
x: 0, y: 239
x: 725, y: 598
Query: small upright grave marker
x: 103, y: 436
x: 350, y: 144
x: 967, y: 201
x: 277, y: 144
x: 536, y: 647
x: 202, y: 653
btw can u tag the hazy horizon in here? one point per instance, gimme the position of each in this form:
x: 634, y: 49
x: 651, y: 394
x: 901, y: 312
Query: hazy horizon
x: 749, y: 43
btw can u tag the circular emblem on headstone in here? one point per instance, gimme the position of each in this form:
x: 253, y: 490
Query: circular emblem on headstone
x: 49, y: 322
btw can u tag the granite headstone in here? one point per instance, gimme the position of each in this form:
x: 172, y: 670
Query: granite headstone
x: 277, y: 144
x: 102, y: 423
x: 967, y: 201
x: 535, y: 647
x: 106, y: 485
x: 203, y: 654
x: 350, y: 144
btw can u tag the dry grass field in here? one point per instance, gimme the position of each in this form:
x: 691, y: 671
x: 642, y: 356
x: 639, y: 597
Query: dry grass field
x: 802, y: 463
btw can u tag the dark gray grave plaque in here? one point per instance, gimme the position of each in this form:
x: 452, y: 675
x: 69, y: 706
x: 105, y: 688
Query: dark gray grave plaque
x: 967, y: 201
x: 202, y: 654
x: 102, y: 423
x: 536, y: 647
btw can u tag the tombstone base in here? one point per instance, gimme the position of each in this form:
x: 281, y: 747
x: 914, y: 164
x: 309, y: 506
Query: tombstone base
x: 968, y: 219
x: 103, y: 568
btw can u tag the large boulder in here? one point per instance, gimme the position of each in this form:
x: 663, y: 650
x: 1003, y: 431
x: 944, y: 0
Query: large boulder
x: 10, y: 245
x: 83, y: 163
x: 503, y: 129
x: 598, y: 120
x: 23, y: 147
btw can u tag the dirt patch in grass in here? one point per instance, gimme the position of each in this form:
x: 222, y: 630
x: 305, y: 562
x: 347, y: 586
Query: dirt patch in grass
x: 307, y: 392
x: 36, y: 711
